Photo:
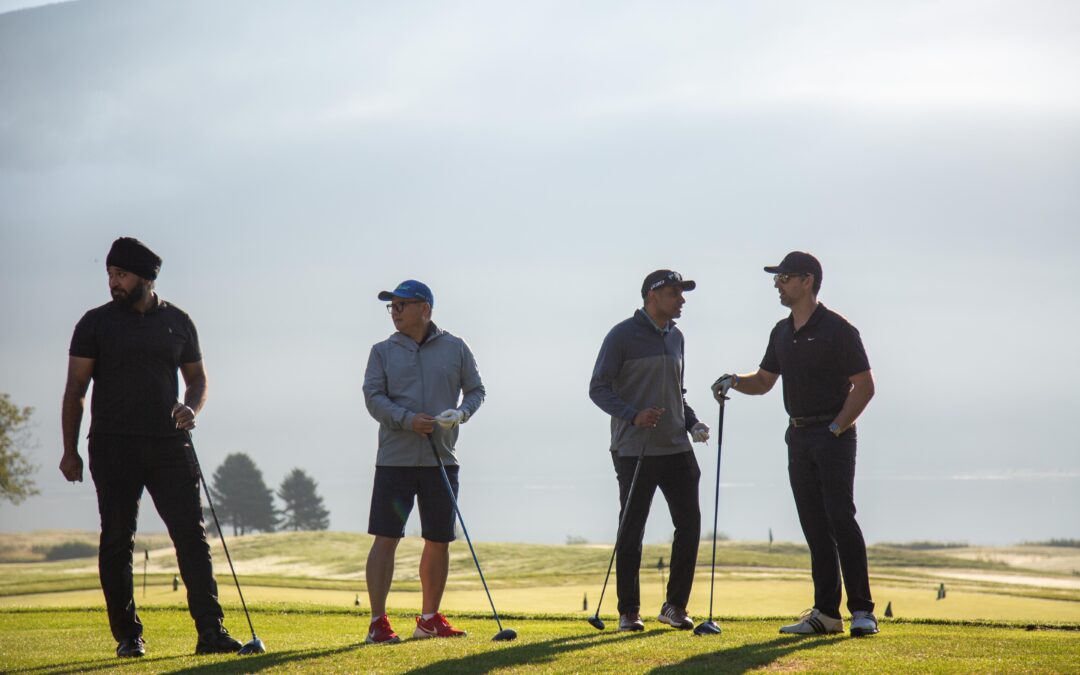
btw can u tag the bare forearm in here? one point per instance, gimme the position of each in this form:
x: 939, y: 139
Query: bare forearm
x: 71, y: 414
x: 753, y: 384
x: 854, y: 404
x: 195, y: 395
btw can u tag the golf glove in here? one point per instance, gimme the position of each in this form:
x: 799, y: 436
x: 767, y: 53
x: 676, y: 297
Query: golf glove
x: 700, y: 432
x: 720, y: 387
x: 448, y: 419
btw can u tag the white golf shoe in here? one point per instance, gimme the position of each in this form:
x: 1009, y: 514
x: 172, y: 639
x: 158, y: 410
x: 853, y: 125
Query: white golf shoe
x: 863, y: 623
x: 813, y: 622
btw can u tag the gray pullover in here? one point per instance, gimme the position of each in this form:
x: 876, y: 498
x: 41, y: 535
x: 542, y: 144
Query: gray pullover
x: 404, y: 378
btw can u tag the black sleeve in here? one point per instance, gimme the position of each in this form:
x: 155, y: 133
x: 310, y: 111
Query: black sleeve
x: 191, y: 352
x: 84, y: 343
x: 771, y: 362
x: 853, y: 357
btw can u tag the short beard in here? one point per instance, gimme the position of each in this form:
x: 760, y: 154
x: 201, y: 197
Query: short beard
x: 133, y: 298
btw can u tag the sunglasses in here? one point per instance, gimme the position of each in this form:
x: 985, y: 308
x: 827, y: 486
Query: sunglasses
x: 399, y: 306
x: 784, y: 278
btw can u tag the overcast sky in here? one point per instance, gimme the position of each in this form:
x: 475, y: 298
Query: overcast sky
x: 532, y: 162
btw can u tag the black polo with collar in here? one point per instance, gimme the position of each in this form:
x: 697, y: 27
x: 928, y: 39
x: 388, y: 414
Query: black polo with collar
x: 136, y: 357
x: 815, y: 362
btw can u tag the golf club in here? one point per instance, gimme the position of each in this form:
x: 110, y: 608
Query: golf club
x: 595, y: 621
x: 709, y: 627
x: 255, y: 645
x: 504, y: 634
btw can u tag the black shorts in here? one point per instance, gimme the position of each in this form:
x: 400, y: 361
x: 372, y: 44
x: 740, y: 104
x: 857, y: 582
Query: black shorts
x: 392, y: 501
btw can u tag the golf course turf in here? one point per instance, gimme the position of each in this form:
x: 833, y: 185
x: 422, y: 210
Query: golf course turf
x: 303, y: 589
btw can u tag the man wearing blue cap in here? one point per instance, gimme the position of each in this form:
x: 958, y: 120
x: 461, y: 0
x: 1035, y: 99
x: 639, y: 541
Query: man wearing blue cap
x: 827, y: 384
x: 417, y: 372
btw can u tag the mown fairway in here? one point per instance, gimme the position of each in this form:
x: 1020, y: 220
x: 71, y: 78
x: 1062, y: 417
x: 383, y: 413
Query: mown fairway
x: 1007, y: 610
x: 303, y: 639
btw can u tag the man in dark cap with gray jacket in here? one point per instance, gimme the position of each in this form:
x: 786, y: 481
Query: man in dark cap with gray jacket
x: 420, y: 382
x: 132, y: 349
x: 638, y: 381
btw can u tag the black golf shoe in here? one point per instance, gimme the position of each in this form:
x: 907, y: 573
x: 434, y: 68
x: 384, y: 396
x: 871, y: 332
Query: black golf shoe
x: 131, y: 647
x: 216, y: 640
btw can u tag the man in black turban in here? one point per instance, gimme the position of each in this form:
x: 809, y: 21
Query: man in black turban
x: 132, y: 348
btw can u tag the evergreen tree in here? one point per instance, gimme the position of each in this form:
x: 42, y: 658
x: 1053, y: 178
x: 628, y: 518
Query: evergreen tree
x: 303, y: 506
x: 241, y: 497
x: 16, y: 483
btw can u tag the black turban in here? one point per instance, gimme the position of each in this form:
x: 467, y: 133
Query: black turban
x: 133, y: 255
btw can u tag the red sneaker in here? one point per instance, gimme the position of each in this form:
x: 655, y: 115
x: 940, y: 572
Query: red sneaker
x: 381, y: 633
x: 436, y: 626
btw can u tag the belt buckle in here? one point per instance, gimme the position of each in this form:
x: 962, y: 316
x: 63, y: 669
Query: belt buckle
x: 795, y: 422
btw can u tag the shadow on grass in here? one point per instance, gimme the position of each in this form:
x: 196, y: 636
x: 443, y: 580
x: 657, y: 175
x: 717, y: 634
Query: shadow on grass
x: 255, y: 663
x: 103, y: 663
x: 746, y: 657
x: 238, y: 664
x: 527, y: 653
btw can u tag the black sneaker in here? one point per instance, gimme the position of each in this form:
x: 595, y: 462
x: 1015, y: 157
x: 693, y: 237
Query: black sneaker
x: 131, y: 647
x: 216, y: 640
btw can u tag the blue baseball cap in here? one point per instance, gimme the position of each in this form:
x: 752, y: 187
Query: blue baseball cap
x: 410, y: 289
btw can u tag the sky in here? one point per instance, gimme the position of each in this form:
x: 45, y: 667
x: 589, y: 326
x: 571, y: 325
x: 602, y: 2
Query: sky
x: 532, y: 162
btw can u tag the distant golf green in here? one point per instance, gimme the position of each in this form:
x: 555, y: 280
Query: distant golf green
x: 303, y: 587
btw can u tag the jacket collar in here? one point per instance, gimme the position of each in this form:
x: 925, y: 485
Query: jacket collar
x: 643, y: 317
x: 434, y: 332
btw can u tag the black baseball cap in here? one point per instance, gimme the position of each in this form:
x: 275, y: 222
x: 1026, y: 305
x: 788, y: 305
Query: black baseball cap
x: 798, y: 262
x: 661, y: 278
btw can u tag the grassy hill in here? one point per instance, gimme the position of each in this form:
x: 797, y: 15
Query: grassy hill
x: 1012, y: 609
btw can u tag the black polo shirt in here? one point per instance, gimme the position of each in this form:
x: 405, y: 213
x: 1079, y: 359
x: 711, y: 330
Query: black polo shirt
x: 815, y: 362
x: 136, y: 357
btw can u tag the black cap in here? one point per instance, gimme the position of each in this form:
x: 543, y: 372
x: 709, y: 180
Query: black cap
x: 798, y: 262
x: 135, y: 257
x: 661, y: 278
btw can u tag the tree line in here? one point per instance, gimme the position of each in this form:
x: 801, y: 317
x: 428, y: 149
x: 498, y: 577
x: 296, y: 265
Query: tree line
x: 243, y: 500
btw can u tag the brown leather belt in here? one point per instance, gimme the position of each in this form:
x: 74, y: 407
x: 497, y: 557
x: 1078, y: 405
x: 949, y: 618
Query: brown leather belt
x: 810, y: 421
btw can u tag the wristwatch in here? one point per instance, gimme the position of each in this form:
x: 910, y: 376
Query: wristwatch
x: 834, y: 429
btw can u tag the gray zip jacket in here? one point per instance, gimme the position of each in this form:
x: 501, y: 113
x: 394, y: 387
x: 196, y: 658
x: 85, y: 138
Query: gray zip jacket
x: 404, y: 378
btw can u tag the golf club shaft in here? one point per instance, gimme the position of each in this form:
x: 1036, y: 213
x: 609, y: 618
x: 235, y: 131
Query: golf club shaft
x: 217, y: 524
x: 716, y: 506
x: 630, y: 492
x: 457, y: 510
x: 622, y: 522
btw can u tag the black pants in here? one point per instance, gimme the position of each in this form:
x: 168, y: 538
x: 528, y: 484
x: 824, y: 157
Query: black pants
x: 677, y: 477
x: 121, y: 467
x: 821, y: 468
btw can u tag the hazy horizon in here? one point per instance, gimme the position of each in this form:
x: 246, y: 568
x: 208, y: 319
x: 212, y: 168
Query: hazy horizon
x: 532, y: 163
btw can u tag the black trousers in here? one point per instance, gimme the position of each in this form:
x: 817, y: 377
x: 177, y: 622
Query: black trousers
x: 821, y: 468
x: 121, y: 467
x: 677, y: 477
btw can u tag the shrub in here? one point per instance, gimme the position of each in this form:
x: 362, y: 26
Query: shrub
x: 68, y: 550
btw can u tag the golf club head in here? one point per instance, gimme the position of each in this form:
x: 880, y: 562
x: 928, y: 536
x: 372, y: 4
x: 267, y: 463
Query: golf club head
x: 505, y: 635
x: 256, y: 646
x: 596, y: 622
x: 707, y: 628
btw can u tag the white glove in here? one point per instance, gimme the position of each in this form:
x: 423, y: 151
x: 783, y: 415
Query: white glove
x: 700, y: 432
x: 448, y: 419
x: 720, y: 388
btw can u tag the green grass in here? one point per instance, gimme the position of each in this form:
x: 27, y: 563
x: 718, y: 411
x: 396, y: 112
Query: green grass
x: 302, y: 587
x: 327, y: 640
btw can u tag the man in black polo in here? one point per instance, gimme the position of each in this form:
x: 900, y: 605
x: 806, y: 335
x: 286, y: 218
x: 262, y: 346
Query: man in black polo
x: 132, y: 348
x: 827, y: 384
